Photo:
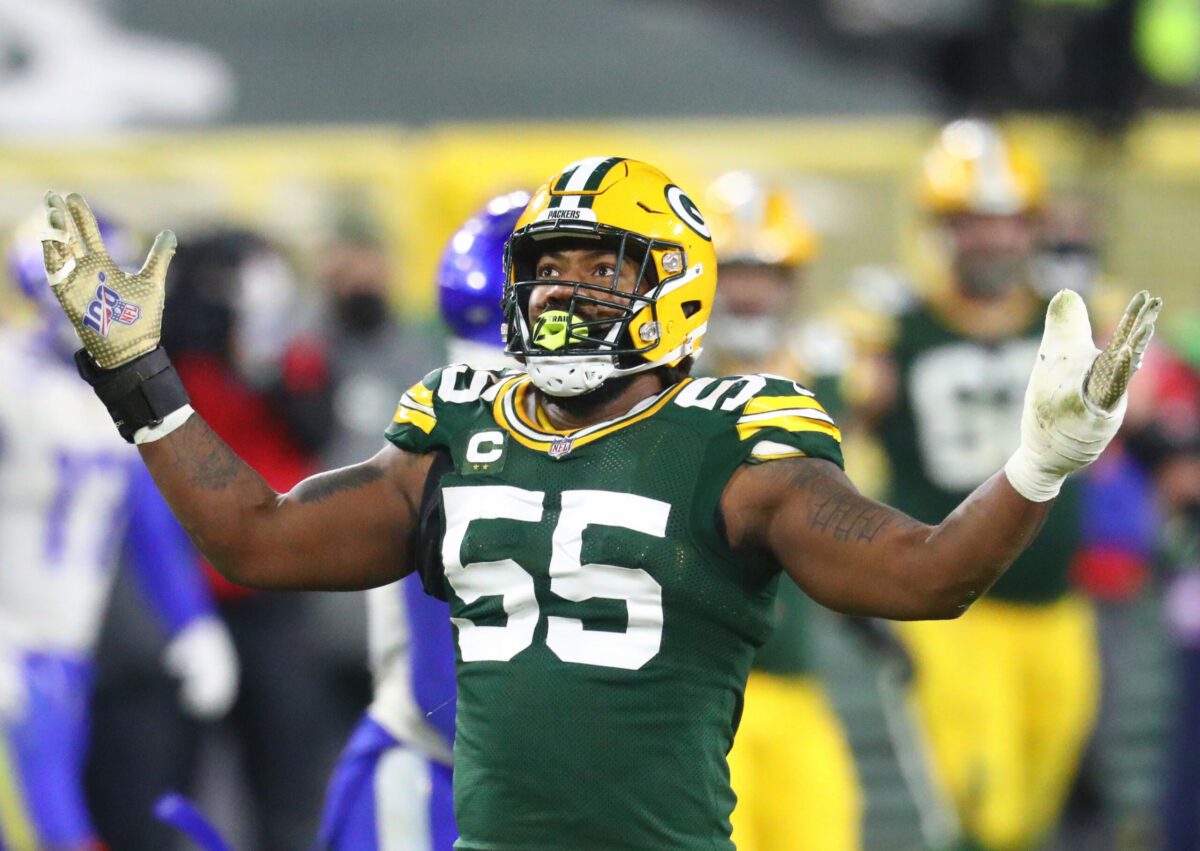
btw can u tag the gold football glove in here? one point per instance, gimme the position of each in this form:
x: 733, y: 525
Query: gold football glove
x: 118, y: 316
x: 1076, y: 396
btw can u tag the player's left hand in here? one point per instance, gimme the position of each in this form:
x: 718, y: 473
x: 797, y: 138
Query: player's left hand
x: 202, y: 656
x: 118, y: 316
x: 1077, y: 394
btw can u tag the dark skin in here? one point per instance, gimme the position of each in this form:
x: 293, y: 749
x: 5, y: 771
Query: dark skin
x: 352, y: 528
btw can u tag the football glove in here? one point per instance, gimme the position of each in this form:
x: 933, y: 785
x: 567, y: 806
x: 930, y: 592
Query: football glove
x: 118, y: 316
x: 202, y: 656
x: 1076, y: 396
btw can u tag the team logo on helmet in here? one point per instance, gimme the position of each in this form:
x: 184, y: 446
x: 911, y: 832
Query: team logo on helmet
x: 687, y: 211
x: 108, y: 307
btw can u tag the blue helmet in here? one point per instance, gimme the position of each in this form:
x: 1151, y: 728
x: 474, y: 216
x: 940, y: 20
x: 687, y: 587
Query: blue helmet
x: 471, y: 274
x: 27, y: 275
x: 27, y: 271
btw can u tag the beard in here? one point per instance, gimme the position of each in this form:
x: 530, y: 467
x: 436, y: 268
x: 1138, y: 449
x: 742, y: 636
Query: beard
x: 991, y: 277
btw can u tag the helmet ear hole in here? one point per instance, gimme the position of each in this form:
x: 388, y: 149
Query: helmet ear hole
x: 690, y: 308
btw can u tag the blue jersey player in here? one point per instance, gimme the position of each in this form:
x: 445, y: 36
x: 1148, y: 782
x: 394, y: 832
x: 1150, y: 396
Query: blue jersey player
x: 391, y: 790
x: 73, y: 494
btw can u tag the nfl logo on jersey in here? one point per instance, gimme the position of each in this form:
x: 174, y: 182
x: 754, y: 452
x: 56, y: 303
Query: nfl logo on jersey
x: 560, y: 447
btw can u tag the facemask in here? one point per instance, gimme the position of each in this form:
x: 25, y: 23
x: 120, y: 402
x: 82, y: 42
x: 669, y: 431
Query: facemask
x: 984, y: 276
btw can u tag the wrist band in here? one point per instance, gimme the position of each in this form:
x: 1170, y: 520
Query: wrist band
x: 1029, y: 480
x: 172, y: 421
x: 139, y: 394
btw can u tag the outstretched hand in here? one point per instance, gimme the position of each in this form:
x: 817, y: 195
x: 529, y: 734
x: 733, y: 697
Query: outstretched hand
x: 1077, y: 393
x: 117, y: 315
x: 1121, y: 358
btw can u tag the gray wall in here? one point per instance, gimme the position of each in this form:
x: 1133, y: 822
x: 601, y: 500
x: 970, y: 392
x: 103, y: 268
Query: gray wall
x: 418, y: 61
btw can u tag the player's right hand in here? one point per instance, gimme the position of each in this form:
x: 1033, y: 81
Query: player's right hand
x: 118, y: 316
x: 204, y: 659
x: 1077, y: 394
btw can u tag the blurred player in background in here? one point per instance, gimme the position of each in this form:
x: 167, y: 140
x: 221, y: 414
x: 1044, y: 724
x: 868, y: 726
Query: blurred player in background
x: 391, y: 790
x: 1165, y: 439
x: 368, y: 339
x: 71, y: 495
x: 791, y: 764
x: 236, y: 328
x: 1009, y: 691
x: 1118, y: 536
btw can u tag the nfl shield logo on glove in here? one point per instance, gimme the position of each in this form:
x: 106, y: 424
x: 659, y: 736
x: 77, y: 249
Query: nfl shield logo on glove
x: 108, y: 307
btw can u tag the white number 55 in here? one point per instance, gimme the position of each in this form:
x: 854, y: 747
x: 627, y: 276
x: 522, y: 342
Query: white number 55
x: 566, y: 637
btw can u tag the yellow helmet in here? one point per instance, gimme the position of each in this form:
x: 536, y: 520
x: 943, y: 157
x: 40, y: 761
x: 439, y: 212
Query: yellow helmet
x: 974, y: 168
x: 645, y: 217
x: 755, y: 221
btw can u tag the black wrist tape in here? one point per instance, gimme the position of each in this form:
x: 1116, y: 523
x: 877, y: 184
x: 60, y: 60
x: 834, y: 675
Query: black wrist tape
x: 137, y: 394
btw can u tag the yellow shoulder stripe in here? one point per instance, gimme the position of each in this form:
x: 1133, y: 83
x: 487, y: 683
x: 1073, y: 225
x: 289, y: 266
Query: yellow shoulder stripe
x: 421, y: 394
x: 416, y: 408
x: 411, y: 416
x: 788, y: 422
x: 762, y: 404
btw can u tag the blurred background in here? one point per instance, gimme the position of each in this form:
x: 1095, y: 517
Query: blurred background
x: 335, y: 148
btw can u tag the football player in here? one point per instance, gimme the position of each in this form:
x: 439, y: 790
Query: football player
x: 71, y: 495
x: 391, y: 789
x: 1009, y: 690
x: 791, y: 765
x: 609, y: 532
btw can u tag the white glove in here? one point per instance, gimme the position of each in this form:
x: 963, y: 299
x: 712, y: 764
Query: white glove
x: 1076, y: 396
x: 203, y: 658
x: 14, y: 696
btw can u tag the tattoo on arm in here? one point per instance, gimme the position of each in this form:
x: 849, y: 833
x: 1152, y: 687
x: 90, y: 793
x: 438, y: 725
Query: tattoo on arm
x: 325, y: 485
x: 832, y: 508
x: 845, y: 518
x: 210, y: 465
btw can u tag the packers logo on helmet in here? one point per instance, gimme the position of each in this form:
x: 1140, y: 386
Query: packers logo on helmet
x: 637, y: 212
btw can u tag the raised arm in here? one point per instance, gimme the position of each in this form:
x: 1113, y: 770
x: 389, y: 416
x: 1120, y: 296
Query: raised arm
x: 344, y: 529
x: 350, y: 528
x: 861, y: 557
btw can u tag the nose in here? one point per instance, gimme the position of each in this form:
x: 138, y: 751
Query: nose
x: 549, y: 296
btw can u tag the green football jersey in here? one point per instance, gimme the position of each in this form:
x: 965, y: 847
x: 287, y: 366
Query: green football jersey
x: 956, y: 421
x: 604, y: 629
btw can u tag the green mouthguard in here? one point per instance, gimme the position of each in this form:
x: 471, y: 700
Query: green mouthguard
x: 553, y: 330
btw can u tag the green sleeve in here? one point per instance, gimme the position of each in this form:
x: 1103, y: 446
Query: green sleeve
x: 414, y: 426
x: 785, y: 420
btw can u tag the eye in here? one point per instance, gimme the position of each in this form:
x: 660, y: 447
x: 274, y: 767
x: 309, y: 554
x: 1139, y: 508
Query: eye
x: 604, y: 270
x: 547, y: 270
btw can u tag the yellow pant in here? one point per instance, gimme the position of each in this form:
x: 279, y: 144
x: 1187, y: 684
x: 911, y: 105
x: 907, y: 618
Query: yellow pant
x: 792, y: 770
x: 1009, y: 696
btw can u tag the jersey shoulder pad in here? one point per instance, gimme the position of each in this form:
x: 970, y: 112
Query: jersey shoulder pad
x: 781, y: 418
x: 429, y: 409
